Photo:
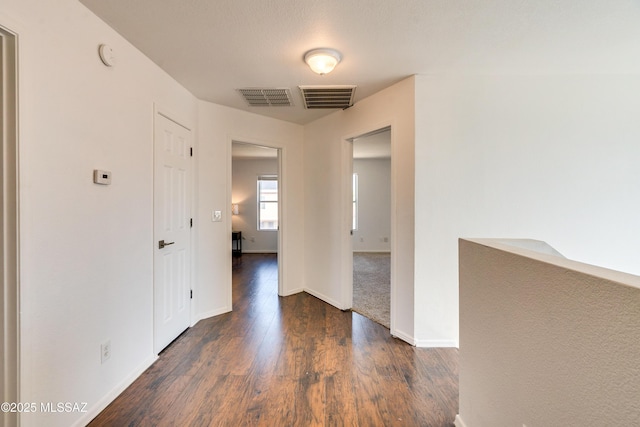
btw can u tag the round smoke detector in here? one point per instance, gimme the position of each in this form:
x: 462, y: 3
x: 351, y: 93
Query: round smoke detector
x: 106, y: 55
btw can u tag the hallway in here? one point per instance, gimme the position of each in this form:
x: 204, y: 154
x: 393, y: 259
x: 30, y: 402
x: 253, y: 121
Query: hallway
x: 293, y: 361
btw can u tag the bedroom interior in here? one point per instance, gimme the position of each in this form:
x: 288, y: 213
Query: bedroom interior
x: 372, y: 226
x: 251, y: 163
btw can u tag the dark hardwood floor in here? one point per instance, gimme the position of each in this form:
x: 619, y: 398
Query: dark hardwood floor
x: 292, y: 361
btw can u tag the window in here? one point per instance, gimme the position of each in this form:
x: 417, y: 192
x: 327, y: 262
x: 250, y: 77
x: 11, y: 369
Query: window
x: 268, y: 202
x: 354, y: 222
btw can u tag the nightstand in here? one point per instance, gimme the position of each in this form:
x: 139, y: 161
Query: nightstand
x: 236, y: 242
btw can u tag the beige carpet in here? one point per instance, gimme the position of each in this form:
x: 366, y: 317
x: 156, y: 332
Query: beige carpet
x: 372, y: 285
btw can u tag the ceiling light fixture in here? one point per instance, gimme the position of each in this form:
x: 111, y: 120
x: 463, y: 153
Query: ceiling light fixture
x: 322, y: 61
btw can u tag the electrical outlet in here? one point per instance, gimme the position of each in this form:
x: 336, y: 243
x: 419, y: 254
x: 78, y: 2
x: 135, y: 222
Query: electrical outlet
x: 105, y: 351
x: 101, y: 177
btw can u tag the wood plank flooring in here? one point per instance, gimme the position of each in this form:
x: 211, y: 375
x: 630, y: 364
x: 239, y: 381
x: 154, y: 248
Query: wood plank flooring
x: 292, y: 361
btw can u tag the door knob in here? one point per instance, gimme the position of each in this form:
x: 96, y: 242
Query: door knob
x: 162, y: 244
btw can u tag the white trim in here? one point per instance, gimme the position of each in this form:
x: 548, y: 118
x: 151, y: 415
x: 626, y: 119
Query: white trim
x: 293, y: 292
x: 173, y: 116
x: 346, y: 232
x: 212, y: 313
x: 326, y: 299
x: 393, y: 240
x: 371, y: 252
x: 458, y: 421
x: 404, y: 337
x: 113, y: 394
x: 10, y: 321
x: 436, y: 344
x: 258, y: 251
x: 228, y: 219
x: 282, y: 224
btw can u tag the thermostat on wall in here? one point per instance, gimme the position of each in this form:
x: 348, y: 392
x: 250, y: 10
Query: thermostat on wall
x: 102, y: 177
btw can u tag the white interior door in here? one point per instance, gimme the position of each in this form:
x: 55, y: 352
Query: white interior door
x: 172, y: 230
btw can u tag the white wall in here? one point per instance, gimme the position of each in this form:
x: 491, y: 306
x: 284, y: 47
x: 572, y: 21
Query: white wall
x: 218, y: 126
x: 86, y: 250
x: 546, y: 341
x: 374, y: 205
x: 545, y: 157
x: 245, y: 193
x: 327, y: 183
x: 552, y: 158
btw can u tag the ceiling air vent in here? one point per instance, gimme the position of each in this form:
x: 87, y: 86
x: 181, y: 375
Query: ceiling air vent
x: 267, y: 97
x: 327, y: 96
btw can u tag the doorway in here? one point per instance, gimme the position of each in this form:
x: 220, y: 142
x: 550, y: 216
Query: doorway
x: 9, y: 321
x: 371, y: 228
x: 256, y: 207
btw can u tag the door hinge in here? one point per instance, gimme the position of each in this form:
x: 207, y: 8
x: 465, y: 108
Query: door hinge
x: 191, y: 222
x: 191, y: 293
x: 191, y: 151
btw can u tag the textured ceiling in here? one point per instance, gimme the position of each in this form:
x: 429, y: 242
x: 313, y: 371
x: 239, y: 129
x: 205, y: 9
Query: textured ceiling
x: 213, y: 47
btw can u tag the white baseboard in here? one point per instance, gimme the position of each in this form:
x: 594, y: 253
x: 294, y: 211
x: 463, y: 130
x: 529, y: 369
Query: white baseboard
x: 258, y: 251
x: 403, y: 336
x: 372, y: 251
x: 325, y: 298
x: 423, y: 343
x: 212, y: 313
x: 436, y: 344
x: 292, y: 292
x: 111, y: 396
x: 458, y: 421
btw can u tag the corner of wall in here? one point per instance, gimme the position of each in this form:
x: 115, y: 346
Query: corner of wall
x: 458, y: 422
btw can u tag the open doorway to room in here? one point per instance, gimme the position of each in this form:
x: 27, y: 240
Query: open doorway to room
x: 256, y: 212
x: 371, y: 235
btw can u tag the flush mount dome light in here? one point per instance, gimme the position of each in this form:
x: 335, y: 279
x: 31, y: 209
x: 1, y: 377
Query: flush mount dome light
x: 322, y: 61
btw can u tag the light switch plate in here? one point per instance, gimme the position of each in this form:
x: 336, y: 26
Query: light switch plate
x: 216, y: 216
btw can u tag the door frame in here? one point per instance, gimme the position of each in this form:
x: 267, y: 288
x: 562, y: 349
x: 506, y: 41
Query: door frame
x: 180, y: 121
x: 347, y: 241
x: 9, y: 220
x: 281, y: 211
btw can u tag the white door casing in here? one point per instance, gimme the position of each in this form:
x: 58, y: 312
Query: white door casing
x: 9, y: 226
x: 171, y: 218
